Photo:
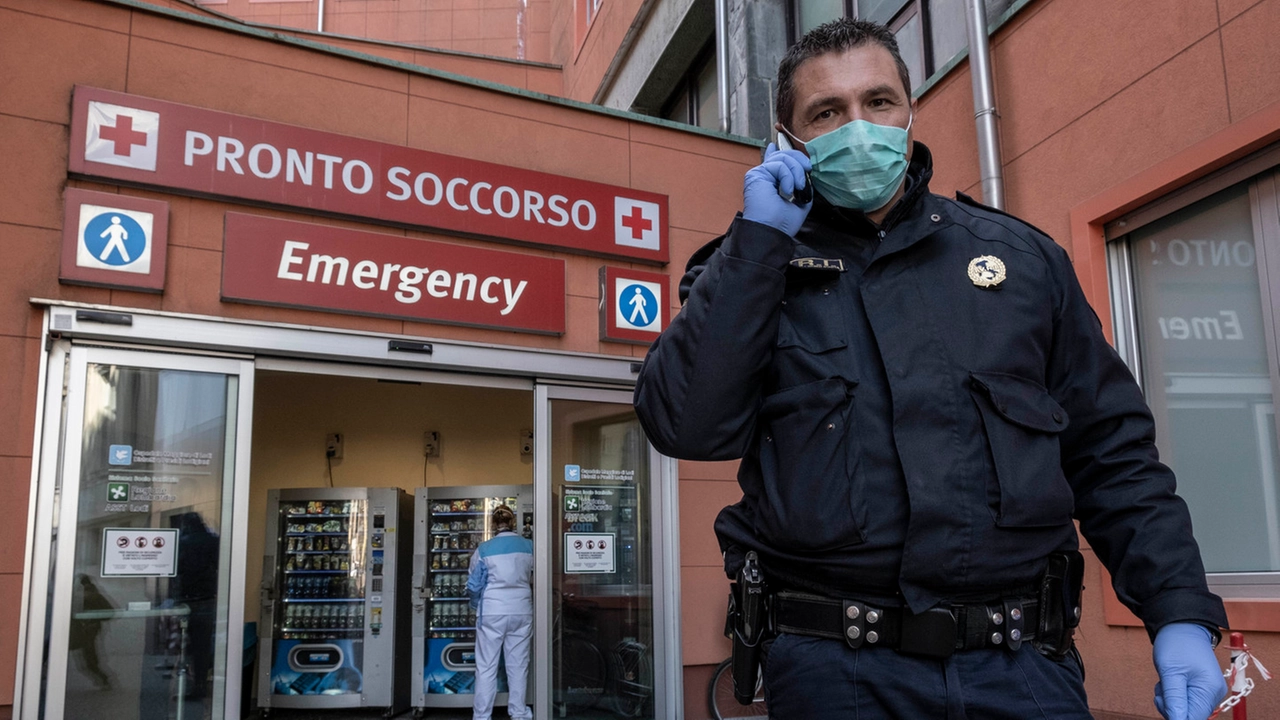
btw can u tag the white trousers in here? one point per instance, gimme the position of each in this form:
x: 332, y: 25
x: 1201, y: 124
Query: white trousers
x: 496, y: 635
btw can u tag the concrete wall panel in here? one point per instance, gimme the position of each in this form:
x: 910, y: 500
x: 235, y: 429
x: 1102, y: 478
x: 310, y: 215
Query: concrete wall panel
x: 497, y: 137
x: 703, y: 196
x: 696, y: 678
x: 585, y: 72
x: 704, y: 591
x: 283, y: 94
x: 15, y: 473
x: 77, y: 12
x: 954, y: 144
x: 1180, y: 103
x: 482, y: 99
x: 57, y: 52
x: 1071, y: 56
x: 700, y: 502
x: 1252, y: 56
x: 719, y: 471
x: 10, y: 597
x: 20, y: 357
x: 1229, y: 9
x: 32, y: 256
x: 196, y: 223
x: 479, y: 68
x: 684, y: 243
x: 34, y: 195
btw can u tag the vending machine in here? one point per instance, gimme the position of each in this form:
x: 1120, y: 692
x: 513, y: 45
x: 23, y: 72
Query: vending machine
x: 450, y: 523
x: 334, y: 625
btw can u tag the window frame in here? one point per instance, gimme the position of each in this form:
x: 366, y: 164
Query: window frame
x: 1261, y: 171
x: 917, y: 8
x: 687, y: 87
x: 934, y: 68
x: 793, y: 17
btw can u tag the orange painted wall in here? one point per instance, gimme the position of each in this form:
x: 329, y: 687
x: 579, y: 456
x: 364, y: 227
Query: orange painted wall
x: 526, y: 74
x: 504, y: 28
x: 50, y: 46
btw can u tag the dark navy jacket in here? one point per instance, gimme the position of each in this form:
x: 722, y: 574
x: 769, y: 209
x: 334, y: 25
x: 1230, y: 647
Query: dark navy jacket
x: 905, y: 432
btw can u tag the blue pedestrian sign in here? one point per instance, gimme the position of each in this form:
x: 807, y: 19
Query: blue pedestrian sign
x: 638, y: 307
x: 115, y: 239
x: 112, y: 238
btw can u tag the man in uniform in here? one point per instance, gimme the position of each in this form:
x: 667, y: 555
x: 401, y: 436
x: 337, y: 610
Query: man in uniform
x: 923, y: 401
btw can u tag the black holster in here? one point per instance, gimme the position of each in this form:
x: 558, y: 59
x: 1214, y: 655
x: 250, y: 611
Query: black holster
x: 1059, y: 595
x: 745, y: 625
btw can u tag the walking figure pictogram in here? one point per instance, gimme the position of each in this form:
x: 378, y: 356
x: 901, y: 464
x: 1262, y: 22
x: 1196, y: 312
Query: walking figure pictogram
x: 117, y: 235
x: 637, y: 304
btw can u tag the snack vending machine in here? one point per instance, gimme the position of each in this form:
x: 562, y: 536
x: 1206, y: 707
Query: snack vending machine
x: 333, y: 630
x: 450, y: 523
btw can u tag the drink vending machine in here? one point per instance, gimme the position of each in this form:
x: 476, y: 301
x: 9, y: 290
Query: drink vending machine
x: 334, y: 614
x: 450, y: 523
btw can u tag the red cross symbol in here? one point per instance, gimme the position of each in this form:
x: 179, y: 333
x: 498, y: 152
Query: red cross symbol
x: 123, y: 132
x: 637, y: 222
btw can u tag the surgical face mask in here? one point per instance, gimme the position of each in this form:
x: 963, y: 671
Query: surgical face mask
x: 860, y: 164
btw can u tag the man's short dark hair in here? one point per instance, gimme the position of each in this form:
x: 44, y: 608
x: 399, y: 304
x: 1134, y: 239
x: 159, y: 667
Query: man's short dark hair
x: 835, y: 36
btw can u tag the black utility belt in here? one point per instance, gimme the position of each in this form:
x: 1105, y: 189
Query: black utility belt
x: 938, y: 632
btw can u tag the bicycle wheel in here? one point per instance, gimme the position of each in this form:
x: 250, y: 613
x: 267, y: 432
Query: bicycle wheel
x: 633, y: 678
x: 581, y: 675
x: 724, y: 705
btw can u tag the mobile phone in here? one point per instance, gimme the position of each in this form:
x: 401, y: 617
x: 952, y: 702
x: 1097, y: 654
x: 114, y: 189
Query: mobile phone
x: 804, y: 195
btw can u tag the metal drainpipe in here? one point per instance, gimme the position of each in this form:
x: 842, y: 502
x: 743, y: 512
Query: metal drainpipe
x: 320, y: 18
x: 984, y: 105
x: 722, y: 63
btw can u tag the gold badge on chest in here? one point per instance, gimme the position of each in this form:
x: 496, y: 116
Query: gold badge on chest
x: 986, y: 271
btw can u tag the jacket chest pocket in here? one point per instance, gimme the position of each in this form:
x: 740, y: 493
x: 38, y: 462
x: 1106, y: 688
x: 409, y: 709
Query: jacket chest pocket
x: 811, y: 333
x: 1022, y: 423
x: 807, y: 467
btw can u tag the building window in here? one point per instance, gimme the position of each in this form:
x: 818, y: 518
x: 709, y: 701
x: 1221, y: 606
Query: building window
x: 1192, y: 285
x: 930, y: 32
x: 694, y: 99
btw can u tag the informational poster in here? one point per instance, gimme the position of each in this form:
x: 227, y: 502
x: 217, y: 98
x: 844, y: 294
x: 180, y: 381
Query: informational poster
x: 139, y: 552
x: 589, y: 553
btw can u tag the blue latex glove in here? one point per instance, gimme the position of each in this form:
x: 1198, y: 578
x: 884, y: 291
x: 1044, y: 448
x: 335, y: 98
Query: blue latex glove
x: 782, y: 170
x: 1191, y: 684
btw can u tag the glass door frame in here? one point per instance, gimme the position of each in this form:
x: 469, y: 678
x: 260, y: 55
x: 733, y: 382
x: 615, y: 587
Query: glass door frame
x: 664, y: 512
x: 47, y: 622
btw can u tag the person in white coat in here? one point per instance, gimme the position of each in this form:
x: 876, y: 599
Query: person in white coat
x: 500, y: 586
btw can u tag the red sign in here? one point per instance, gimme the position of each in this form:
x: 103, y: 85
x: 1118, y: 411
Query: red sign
x: 633, y: 305
x: 114, y: 240
x: 281, y: 262
x: 157, y: 143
